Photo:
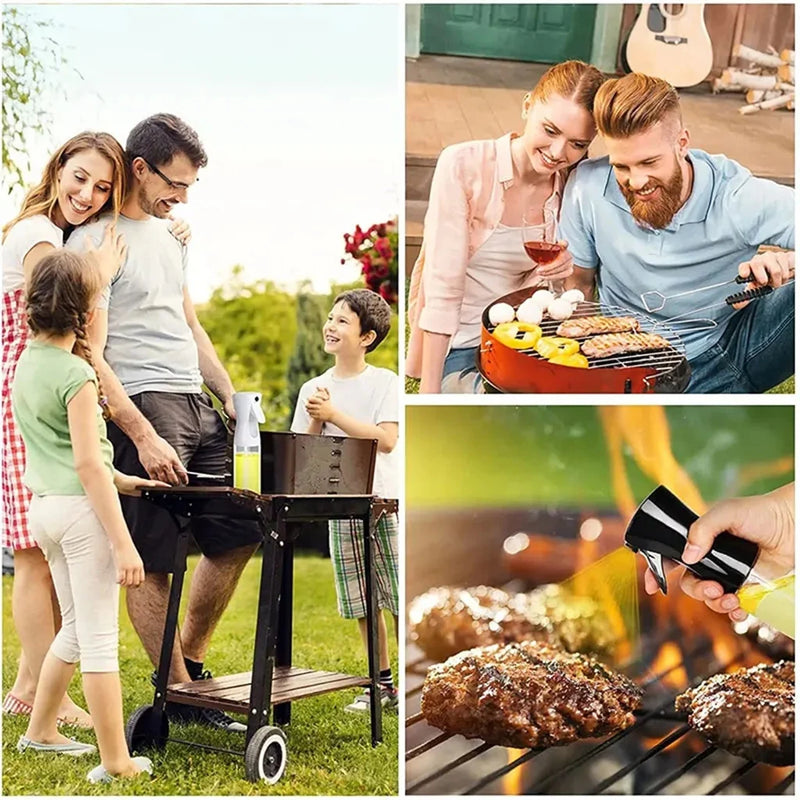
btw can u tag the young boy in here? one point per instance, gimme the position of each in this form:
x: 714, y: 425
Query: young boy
x: 353, y: 398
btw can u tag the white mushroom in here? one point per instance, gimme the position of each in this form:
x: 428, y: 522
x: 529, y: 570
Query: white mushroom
x: 501, y: 312
x: 560, y: 309
x: 573, y: 296
x: 530, y: 312
x: 542, y: 298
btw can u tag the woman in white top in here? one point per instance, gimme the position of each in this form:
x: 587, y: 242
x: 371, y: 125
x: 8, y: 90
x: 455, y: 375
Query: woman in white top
x: 84, y: 177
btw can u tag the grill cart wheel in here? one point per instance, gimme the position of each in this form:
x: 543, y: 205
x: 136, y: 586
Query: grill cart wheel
x: 140, y: 732
x: 265, y: 756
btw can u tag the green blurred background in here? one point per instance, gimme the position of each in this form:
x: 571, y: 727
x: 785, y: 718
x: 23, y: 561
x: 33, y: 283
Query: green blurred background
x: 529, y: 456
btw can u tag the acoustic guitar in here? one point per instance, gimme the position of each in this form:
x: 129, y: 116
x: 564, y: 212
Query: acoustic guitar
x: 670, y: 41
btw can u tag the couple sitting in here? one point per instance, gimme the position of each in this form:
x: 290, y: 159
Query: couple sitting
x: 652, y: 215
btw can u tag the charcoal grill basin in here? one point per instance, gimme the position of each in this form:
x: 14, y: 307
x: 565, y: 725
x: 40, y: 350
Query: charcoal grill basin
x: 505, y: 369
x: 273, y: 684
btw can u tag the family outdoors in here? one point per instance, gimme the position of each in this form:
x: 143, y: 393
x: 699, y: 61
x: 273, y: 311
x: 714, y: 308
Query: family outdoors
x: 104, y: 360
x: 654, y: 215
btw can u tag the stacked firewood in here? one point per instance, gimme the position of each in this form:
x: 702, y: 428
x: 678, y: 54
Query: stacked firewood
x: 767, y: 81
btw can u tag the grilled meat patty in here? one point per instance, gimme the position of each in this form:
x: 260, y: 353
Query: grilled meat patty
x: 749, y: 713
x: 589, y: 326
x: 612, y: 344
x: 527, y: 694
x: 445, y: 620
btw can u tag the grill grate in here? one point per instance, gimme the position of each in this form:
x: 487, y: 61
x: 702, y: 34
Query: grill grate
x: 440, y: 763
x: 662, y: 361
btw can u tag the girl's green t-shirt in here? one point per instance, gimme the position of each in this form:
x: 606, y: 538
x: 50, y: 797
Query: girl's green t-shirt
x: 46, y: 379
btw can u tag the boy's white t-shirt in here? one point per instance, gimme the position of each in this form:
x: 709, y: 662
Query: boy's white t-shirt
x: 368, y: 397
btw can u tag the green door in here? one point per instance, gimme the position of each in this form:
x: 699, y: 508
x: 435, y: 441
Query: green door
x: 520, y: 32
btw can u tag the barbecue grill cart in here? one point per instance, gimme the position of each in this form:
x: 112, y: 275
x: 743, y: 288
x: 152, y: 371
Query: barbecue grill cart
x: 302, y: 477
x: 506, y: 369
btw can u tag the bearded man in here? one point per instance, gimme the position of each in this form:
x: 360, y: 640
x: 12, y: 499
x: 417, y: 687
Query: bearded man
x: 657, y: 216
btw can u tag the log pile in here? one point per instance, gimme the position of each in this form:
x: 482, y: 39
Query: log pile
x: 767, y: 81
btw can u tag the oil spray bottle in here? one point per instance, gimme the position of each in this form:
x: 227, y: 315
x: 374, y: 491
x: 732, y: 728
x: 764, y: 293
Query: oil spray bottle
x: 659, y: 529
x: 247, y: 441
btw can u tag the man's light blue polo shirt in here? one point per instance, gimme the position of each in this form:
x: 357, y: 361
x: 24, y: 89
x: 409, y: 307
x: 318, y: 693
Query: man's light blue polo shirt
x: 727, y: 216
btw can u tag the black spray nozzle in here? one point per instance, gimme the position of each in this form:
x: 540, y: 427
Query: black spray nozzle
x: 659, y: 530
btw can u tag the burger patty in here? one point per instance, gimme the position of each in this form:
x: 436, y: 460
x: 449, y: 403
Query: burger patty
x: 613, y: 344
x: 588, y: 326
x: 445, y: 620
x: 527, y: 694
x: 749, y: 713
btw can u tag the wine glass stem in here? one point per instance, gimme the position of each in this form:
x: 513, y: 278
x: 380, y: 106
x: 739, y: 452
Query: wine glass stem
x: 556, y: 286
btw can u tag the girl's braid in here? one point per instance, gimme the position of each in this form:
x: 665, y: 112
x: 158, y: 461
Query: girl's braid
x: 84, y: 350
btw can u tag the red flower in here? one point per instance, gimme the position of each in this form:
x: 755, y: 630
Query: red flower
x: 376, y: 250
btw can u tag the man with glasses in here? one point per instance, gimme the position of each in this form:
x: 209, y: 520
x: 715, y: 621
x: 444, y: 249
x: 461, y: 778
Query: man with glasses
x: 153, y: 356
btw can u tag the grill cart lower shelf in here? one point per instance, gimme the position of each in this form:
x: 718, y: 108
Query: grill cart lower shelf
x: 231, y: 693
x: 273, y: 684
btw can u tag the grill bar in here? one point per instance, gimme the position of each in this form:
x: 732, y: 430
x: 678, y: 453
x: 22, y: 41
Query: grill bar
x: 782, y: 786
x: 743, y: 770
x: 631, y: 765
x: 682, y: 770
x: 468, y: 756
x: 546, y: 781
x: 498, y: 773
x: 429, y: 745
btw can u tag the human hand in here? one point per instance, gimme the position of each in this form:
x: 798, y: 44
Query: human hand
x: 130, y: 569
x: 767, y: 520
x: 180, y: 229
x: 319, y: 406
x: 110, y: 255
x: 772, y: 267
x: 161, y: 462
x: 229, y: 408
x: 132, y: 485
x: 560, y: 268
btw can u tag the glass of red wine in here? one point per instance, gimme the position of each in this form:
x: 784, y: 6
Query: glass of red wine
x: 539, y: 240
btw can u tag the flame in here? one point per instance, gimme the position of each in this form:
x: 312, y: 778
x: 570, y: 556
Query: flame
x: 512, y: 781
x: 669, y: 664
x: 645, y: 431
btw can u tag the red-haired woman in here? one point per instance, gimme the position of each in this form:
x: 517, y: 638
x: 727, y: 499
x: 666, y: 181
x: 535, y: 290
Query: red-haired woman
x: 472, y: 249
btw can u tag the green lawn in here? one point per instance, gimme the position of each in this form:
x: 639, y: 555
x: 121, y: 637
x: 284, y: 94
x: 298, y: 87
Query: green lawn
x: 329, y: 750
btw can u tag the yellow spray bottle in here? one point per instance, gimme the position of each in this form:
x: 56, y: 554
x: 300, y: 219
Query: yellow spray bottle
x: 247, y: 441
x: 659, y: 529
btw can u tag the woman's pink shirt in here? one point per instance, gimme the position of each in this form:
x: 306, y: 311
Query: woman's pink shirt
x: 465, y: 207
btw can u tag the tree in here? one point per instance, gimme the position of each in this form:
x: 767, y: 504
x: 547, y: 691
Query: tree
x: 253, y: 328
x: 309, y: 358
x: 32, y: 64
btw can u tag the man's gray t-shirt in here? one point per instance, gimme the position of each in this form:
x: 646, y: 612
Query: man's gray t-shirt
x: 150, y: 346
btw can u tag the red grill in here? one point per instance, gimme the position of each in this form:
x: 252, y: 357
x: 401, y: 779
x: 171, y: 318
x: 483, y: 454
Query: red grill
x: 508, y: 370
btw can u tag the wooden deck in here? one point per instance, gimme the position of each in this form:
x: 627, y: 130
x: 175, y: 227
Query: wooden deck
x: 451, y: 100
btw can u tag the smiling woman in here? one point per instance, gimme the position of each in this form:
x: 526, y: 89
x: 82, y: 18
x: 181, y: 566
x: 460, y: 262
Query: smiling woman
x: 482, y: 193
x: 85, y: 176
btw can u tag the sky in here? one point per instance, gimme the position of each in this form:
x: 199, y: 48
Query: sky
x: 299, y: 108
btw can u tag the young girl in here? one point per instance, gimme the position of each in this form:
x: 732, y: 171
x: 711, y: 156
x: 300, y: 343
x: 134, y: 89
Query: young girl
x: 472, y: 250
x: 75, y: 514
x: 84, y: 177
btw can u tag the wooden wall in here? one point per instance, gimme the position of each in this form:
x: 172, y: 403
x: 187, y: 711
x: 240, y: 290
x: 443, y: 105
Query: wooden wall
x: 755, y: 25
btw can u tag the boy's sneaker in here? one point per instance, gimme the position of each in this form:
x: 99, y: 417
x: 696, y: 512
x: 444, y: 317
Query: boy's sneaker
x: 361, y: 704
x: 183, y: 714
